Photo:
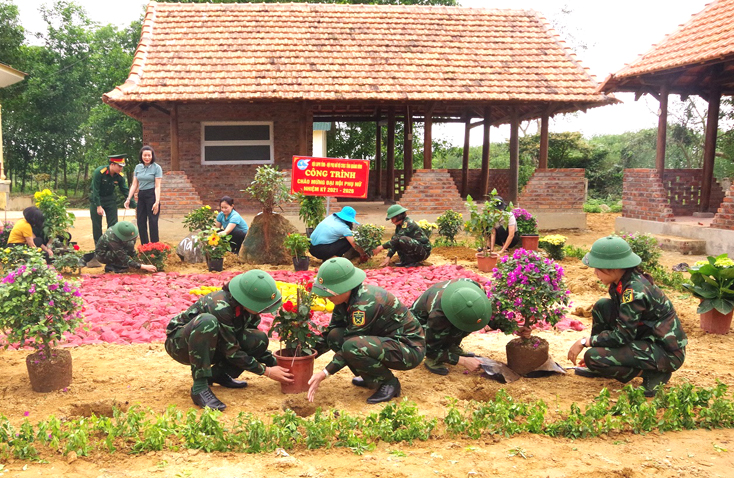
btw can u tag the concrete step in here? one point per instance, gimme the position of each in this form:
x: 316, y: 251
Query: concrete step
x: 682, y: 245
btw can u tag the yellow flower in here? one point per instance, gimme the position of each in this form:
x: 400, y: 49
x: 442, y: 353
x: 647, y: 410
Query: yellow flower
x: 723, y: 262
x: 214, y: 240
x: 554, y: 240
x: 7, y: 250
x: 207, y: 207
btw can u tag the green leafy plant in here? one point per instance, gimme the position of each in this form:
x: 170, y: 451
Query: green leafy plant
x: 574, y: 251
x: 312, y: 209
x: 298, y: 334
x: 368, y: 236
x: 645, y: 246
x: 482, y: 220
x: 554, y: 246
x: 67, y: 258
x: 154, y: 253
x: 12, y: 257
x: 527, y: 224
x: 37, y: 305
x: 200, y: 219
x: 213, y: 245
x: 712, y: 281
x: 5, y: 228
x: 269, y: 188
x: 296, y: 244
x: 449, y: 225
x: 57, y: 220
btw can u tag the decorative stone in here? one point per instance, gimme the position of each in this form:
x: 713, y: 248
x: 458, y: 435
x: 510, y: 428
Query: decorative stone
x: 189, y: 250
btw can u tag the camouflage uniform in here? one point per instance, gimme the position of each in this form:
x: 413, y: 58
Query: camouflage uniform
x: 216, y: 335
x: 113, y: 251
x: 637, y: 329
x: 442, y: 337
x: 372, y: 333
x: 102, y: 194
x: 410, y: 242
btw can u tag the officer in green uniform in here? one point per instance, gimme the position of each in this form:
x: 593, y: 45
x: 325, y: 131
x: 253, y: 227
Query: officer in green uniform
x: 449, y: 311
x: 116, y: 249
x: 409, y: 240
x: 102, y: 199
x: 370, y: 331
x: 637, y: 331
x: 218, y: 337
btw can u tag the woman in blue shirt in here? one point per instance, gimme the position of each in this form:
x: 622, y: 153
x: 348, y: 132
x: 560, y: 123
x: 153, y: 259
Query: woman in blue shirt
x: 147, y: 179
x: 231, y: 223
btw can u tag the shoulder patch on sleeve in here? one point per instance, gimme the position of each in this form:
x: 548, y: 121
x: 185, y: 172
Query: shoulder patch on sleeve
x: 628, y: 296
x: 358, y: 318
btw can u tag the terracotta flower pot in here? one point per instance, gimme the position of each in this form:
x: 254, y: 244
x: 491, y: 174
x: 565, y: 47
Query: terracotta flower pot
x: 524, y: 356
x: 215, y: 265
x: 530, y: 243
x: 300, y: 367
x: 714, y: 322
x: 49, y: 374
x: 486, y: 263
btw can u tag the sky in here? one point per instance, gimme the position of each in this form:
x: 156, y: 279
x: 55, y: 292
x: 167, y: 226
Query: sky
x: 613, y: 33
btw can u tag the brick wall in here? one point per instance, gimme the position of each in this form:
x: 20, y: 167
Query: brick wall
x: 499, y: 179
x: 683, y: 187
x: 432, y: 191
x: 724, y: 218
x: 554, y: 189
x: 644, y: 196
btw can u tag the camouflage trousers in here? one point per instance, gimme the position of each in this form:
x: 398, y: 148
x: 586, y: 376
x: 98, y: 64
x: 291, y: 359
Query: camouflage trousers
x: 626, y: 362
x: 441, y: 345
x: 409, y: 250
x: 372, y: 358
x: 198, y: 344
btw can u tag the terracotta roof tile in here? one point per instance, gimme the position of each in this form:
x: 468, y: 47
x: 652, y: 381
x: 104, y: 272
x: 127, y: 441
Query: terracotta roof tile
x: 350, y: 52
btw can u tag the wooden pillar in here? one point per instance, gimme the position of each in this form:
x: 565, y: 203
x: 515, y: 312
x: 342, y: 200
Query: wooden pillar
x: 175, y: 164
x: 378, y: 156
x: 408, y: 147
x: 484, y: 184
x: 305, y: 134
x: 662, y: 131
x: 428, y: 139
x: 2, y: 161
x: 390, y: 155
x: 543, y: 158
x: 465, y: 157
x: 709, y: 150
x: 514, y: 157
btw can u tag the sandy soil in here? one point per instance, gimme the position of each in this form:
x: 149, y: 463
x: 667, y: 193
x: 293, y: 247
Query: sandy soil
x: 144, y: 374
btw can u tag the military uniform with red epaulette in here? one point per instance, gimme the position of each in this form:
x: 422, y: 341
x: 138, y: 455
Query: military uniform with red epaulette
x: 102, y: 193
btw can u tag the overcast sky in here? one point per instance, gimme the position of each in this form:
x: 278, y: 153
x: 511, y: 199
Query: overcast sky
x: 614, y: 33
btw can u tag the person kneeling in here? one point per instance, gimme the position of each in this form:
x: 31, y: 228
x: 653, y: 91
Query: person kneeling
x: 116, y: 249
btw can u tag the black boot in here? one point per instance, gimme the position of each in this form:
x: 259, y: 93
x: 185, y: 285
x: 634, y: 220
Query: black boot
x: 226, y: 381
x: 385, y: 392
x: 207, y: 399
x: 652, y: 380
x: 359, y: 382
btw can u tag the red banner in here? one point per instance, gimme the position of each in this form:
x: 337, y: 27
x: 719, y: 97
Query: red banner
x: 344, y: 178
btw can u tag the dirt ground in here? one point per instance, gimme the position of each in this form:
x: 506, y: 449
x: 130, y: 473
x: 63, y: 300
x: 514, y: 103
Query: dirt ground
x: 144, y: 374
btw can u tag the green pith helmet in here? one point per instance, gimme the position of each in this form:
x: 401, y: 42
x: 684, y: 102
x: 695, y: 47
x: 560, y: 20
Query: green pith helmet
x: 394, y: 210
x: 256, y: 290
x: 611, y: 252
x: 466, y: 306
x: 336, y: 276
x: 125, y: 230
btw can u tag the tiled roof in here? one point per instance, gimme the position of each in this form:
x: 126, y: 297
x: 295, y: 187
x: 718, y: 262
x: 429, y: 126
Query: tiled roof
x: 266, y: 52
x: 707, y: 37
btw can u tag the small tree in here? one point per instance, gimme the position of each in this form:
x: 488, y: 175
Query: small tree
x: 312, y: 210
x: 269, y: 188
x: 449, y: 224
x: 482, y: 221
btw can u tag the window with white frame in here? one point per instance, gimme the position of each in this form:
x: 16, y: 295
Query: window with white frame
x: 237, y: 143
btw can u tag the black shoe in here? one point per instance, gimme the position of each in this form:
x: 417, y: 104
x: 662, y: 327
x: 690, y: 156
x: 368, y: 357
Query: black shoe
x: 359, y: 382
x: 585, y: 372
x: 653, y: 380
x: 385, y: 392
x: 207, y: 399
x: 411, y: 264
x: 226, y: 381
x: 436, y: 367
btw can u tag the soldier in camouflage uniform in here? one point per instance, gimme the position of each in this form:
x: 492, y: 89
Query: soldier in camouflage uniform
x: 102, y: 198
x: 636, y: 332
x: 449, y: 311
x: 116, y: 249
x: 218, y: 337
x: 409, y: 240
x: 370, y: 331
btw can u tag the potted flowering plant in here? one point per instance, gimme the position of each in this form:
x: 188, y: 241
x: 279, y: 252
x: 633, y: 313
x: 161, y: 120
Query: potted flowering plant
x: 299, y: 338
x: 57, y: 220
x: 526, y: 289
x: 200, y: 219
x: 215, y: 247
x: 449, y: 224
x: 481, y: 223
x: 67, y: 257
x: 527, y: 226
x: 553, y: 245
x: 368, y: 237
x: 154, y: 253
x: 312, y: 211
x: 37, y: 306
x: 712, y: 281
x: 297, y: 245
x: 427, y: 227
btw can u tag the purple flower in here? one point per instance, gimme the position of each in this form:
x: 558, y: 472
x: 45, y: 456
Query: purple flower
x: 26, y: 414
x: 53, y: 286
x: 51, y: 303
x: 67, y: 289
x: 32, y: 289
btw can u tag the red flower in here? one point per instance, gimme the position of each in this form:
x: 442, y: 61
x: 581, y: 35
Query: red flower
x: 309, y: 286
x: 76, y: 247
x: 289, y: 306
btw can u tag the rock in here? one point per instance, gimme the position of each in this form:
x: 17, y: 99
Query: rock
x: 604, y: 208
x: 71, y: 457
x: 189, y: 250
x: 264, y: 241
x: 682, y: 267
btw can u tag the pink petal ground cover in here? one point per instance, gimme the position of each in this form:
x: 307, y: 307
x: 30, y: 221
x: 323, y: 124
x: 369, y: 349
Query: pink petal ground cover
x: 131, y: 308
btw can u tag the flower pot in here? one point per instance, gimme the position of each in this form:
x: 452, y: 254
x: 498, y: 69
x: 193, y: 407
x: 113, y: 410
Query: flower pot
x: 524, y: 356
x: 309, y: 231
x: 301, y: 263
x: 714, y: 322
x: 300, y: 367
x: 49, y: 374
x: 486, y: 263
x: 530, y: 243
x: 215, y: 265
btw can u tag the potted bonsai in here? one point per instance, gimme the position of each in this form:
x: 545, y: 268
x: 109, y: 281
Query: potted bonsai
x: 482, y: 220
x: 215, y: 247
x: 712, y: 281
x: 527, y: 289
x: 297, y: 245
x: 299, y: 338
x: 312, y: 211
x: 527, y: 226
x: 37, y: 306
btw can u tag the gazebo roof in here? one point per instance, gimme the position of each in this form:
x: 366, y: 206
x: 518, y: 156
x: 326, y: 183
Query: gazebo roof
x: 362, y: 56
x: 9, y: 75
x: 695, y: 58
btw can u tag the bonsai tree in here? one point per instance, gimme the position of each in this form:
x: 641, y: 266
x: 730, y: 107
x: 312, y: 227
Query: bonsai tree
x: 269, y: 188
x: 296, y: 244
x: 312, y: 210
x: 482, y: 220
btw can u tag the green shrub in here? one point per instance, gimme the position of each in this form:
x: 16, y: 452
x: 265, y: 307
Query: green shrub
x: 554, y: 246
x: 449, y: 225
x: 368, y: 236
x: 574, y: 251
x: 312, y: 209
x: 269, y: 188
x: 200, y: 219
x: 645, y: 246
x: 296, y: 244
